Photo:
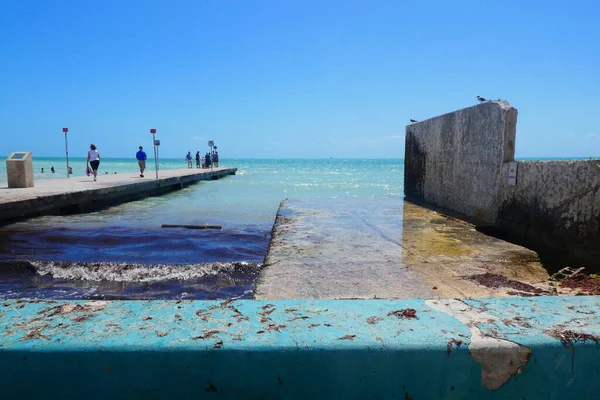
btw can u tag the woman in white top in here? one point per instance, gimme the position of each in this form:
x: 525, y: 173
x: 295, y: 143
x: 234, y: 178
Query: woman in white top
x: 93, y: 160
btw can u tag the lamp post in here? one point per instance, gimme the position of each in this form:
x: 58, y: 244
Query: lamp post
x: 153, y: 132
x: 65, y: 130
x: 211, y: 143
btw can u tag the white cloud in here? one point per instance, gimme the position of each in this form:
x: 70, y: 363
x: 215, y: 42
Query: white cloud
x: 593, y: 135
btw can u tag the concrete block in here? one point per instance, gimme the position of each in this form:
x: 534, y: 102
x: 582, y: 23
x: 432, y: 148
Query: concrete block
x: 456, y: 160
x: 19, y: 169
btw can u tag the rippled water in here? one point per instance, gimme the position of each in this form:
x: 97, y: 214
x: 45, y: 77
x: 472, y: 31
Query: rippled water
x: 103, y: 254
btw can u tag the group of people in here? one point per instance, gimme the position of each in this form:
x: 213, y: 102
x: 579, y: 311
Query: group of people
x: 206, y: 161
x: 53, y: 170
x: 93, y: 161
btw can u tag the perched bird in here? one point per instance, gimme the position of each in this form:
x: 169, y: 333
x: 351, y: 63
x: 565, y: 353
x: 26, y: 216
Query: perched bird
x: 481, y: 99
x: 413, y: 120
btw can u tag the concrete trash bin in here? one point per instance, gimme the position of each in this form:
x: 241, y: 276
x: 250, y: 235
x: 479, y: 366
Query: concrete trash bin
x: 19, y: 169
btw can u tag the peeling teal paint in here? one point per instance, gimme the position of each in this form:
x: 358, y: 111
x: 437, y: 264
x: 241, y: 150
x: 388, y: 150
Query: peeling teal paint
x: 291, y: 349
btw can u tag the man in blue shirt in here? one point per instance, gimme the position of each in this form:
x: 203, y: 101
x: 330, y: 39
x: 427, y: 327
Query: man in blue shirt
x: 141, y: 157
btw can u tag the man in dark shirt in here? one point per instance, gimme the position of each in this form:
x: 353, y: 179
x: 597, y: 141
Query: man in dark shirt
x: 141, y: 157
x: 198, y: 159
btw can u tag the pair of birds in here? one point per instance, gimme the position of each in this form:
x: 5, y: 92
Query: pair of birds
x: 479, y: 98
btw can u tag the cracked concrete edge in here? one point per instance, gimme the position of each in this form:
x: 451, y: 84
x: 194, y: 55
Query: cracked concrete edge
x: 261, y: 290
x: 500, y: 359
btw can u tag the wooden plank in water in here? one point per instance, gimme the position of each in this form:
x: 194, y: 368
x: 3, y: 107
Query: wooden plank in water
x: 191, y: 226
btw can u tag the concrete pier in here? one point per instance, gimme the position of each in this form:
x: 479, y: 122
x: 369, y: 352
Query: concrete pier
x: 78, y: 194
x: 387, y: 249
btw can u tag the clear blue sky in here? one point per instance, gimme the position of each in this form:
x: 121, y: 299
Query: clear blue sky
x: 291, y: 78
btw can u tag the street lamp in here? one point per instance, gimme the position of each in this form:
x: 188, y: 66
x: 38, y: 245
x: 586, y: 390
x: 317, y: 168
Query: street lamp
x: 211, y: 143
x: 65, y: 130
x: 155, y: 144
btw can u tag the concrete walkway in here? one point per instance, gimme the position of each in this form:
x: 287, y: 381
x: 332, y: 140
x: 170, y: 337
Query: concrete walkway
x: 332, y: 249
x: 57, y: 196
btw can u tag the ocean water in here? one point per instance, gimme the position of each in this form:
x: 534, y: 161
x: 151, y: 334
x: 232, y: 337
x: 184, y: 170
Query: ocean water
x: 122, y: 252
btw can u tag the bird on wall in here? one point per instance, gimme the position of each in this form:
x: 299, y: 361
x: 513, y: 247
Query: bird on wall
x: 413, y: 120
x: 481, y: 99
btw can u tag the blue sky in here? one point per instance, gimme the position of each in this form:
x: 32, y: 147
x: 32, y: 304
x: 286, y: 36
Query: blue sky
x: 292, y: 78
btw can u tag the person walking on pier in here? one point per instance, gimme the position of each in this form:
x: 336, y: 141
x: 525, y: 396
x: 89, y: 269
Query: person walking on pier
x: 198, y: 159
x: 141, y: 157
x: 93, y: 160
x: 188, y: 157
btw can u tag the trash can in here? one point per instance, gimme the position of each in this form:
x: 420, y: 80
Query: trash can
x: 19, y: 169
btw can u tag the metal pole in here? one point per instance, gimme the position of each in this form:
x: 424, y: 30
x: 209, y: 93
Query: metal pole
x: 67, y: 152
x: 157, y: 162
x: 155, y: 155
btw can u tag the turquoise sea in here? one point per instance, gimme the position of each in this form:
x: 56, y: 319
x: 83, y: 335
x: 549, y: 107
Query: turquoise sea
x: 121, y: 252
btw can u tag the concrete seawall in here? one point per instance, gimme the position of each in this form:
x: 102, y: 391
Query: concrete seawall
x: 456, y: 160
x: 66, y: 196
x: 460, y: 161
x: 555, y: 206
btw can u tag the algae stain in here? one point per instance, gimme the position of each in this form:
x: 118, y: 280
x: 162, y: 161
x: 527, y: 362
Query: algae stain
x: 524, y: 259
x: 481, y: 214
x: 434, y: 242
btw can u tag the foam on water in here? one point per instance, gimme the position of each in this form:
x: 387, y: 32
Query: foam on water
x: 67, y: 280
x: 124, y: 272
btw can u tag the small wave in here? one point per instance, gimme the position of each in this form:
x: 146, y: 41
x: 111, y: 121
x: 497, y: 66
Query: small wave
x: 126, y: 272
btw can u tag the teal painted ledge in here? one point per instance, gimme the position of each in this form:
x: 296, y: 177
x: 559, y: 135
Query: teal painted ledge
x: 531, y: 348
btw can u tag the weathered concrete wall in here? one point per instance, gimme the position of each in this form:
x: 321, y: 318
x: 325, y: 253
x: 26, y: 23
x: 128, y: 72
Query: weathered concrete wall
x: 459, y: 161
x: 555, y: 206
x: 456, y: 160
x: 533, y: 348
